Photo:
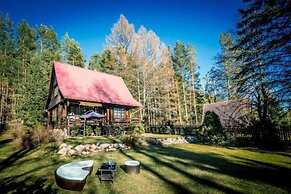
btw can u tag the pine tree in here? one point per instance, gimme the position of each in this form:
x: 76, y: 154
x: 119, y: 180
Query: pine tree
x: 72, y: 52
x: 8, y: 68
x: 35, y: 95
x: 26, y: 47
x: 263, y: 62
x: 96, y: 62
x: 49, y: 48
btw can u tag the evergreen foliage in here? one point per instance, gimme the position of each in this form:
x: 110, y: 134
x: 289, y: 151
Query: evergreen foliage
x: 72, y: 52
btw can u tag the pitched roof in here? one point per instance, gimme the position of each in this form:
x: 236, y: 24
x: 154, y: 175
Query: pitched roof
x: 77, y: 83
x: 230, y: 113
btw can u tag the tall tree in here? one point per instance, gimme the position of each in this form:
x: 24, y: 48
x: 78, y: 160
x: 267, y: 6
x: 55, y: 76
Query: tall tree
x: 35, y: 95
x: 96, y: 62
x: 220, y: 77
x: 49, y: 47
x: 8, y: 67
x: 121, y: 35
x: 180, y: 65
x: 227, y: 64
x: 26, y: 47
x: 193, y: 68
x: 264, y: 75
x: 72, y: 52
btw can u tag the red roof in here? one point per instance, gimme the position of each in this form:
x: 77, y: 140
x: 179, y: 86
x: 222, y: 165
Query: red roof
x: 76, y: 83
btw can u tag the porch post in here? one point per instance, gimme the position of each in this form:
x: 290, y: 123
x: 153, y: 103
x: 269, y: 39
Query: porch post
x: 65, y: 113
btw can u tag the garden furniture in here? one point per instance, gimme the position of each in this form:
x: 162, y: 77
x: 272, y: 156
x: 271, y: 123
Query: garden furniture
x: 107, y: 171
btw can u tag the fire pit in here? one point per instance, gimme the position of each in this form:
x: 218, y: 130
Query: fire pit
x: 132, y: 166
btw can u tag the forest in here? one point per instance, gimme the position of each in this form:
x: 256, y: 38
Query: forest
x: 253, y: 64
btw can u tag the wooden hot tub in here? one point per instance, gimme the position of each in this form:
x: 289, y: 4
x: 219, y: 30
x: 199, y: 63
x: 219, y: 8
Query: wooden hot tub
x: 132, y: 166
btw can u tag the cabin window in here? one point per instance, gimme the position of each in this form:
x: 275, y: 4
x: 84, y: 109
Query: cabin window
x: 74, y: 109
x: 119, y: 113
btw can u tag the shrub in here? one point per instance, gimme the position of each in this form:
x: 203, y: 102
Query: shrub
x: 89, y: 130
x: 97, y: 131
x: 22, y: 135
x: 26, y: 140
x: 74, y: 130
x: 138, y: 129
x: 212, y: 123
x: 267, y: 136
x: 130, y: 140
x: 212, y: 131
x: 134, y: 129
x: 16, y: 129
x: 40, y: 134
x: 57, y: 136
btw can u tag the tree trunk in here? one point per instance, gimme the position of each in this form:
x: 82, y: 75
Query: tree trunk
x: 185, y: 102
x: 179, y: 102
x: 139, y: 95
x: 194, y: 97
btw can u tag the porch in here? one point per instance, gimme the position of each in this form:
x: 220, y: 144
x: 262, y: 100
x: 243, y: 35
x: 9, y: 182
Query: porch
x: 69, y: 115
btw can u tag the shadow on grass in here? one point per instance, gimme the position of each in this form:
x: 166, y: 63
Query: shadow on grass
x: 27, y: 183
x: 250, y: 169
x: 5, y: 141
x: 13, y: 158
x: 21, y: 180
x: 286, y: 153
x: 27, y: 186
x: 183, y: 172
x: 179, y: 189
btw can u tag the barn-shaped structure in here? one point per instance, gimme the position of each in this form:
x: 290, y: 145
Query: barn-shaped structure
x: 232, y: 114
x: 74, y: 91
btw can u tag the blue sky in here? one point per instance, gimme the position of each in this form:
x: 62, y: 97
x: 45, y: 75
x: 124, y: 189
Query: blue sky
x: 198, y: 22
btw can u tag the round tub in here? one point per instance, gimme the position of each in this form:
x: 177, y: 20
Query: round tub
x: 72, y: 176
x: 132, y: 166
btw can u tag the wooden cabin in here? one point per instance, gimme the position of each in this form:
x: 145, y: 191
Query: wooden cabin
x: 74, y: 90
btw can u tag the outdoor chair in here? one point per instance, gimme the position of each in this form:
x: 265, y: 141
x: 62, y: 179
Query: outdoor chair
x: 107, y: 171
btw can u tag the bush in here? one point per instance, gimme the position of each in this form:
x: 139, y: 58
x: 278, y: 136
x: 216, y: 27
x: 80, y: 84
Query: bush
x: 57, y: 136
x: 40, y: 134
x: 89, y: 130
x: 74, y: 130
x: 138, y: 129
x: 267, y: 136
x: 97, y: 131
x: 212, y: 131
x: 134, y: 129
x: 130, y: 140
x: 212, y: 123
x: 16, y: 129
x: 26, y: 140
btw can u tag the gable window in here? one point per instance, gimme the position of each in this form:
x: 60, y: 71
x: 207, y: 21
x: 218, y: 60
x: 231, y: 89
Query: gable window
x: 119, y: 113
x: 55, y: 92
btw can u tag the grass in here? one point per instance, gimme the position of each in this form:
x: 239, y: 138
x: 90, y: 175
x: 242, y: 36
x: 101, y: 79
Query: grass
x: 160, y: 136
x: 89, y: 140
x: 185, y: 168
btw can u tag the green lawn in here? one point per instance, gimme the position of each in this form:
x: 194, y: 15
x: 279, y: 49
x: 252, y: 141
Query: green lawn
x: 89, y: 140
x: 188, y: 168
